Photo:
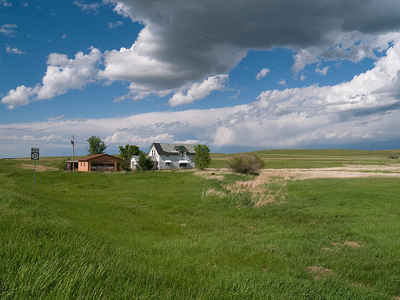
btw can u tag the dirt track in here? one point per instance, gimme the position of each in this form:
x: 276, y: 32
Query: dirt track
x: 259, y: 185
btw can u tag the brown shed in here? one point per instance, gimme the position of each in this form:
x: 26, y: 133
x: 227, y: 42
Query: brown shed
x: 99, y: 162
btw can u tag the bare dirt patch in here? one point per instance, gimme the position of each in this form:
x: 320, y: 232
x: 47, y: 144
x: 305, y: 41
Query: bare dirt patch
x: 352, y: 244
x: 319, y: 272
x: 39, y: 168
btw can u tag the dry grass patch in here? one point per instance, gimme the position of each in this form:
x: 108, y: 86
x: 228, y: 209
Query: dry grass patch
x: 39, y: 168
x: 319, y: 272
x: 264, y: 190
x: 217, y: 175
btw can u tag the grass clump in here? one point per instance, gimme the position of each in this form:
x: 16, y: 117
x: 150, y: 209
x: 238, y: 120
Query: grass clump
x: 246, y: 163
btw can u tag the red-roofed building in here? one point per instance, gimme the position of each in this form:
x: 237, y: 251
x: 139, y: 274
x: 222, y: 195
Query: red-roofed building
x: 99, y: 162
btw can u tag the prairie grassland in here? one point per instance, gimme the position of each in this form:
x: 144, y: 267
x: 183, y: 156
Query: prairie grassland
x: 281, y: 159
x: 157, y: 235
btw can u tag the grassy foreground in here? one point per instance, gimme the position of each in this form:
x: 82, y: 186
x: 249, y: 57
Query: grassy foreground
x: 154, y: 236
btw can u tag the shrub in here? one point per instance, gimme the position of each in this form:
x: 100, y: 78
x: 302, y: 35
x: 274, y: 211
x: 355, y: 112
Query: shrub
x: 393, y: 156
x: 246, y: 163
x: 145, y: 163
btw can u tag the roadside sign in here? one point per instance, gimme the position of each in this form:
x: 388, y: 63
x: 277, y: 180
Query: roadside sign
x: 34, y: 153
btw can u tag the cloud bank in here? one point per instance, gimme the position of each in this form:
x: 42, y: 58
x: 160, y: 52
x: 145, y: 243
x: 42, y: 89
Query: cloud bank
x: 356, y: 112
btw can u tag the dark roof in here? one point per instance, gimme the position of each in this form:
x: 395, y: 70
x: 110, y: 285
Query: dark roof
x: 94, y: 156
x: 173, y: 149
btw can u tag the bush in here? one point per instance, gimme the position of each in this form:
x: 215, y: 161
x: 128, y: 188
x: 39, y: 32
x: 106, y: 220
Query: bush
x: 394, y: 156
x: 145, y: 163
x: 246, y: 163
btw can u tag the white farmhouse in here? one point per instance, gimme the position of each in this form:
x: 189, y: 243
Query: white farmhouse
x: 172, y: 156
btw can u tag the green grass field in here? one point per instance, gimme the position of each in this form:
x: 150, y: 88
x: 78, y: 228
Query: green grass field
x: 155, y: 235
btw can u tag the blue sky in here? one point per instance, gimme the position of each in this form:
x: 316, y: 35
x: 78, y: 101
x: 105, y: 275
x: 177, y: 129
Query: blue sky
x: 256, y: 75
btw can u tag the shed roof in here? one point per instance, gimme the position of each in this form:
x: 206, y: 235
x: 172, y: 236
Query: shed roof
x: 173, y: 149
x: 95, y: 156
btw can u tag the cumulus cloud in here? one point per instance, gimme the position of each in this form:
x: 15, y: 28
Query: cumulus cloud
x: 263, y: 72
x: 19, y: 96
x: 185, y: 41
x: 8, y: 29
x: 62, y: 74
x: 364, y: 110
x: 14, y: 50
x: 199, y: 90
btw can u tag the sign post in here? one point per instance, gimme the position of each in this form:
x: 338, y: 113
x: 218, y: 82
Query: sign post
x: 35, y: 157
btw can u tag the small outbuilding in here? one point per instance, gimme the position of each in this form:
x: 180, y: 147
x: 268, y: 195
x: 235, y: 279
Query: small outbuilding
x: 99, y: 162
x: 135, y: 162
x: 71, y: 165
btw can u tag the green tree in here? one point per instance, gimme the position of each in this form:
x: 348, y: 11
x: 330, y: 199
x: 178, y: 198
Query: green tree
x: 96, y: 145
x: 145, y: 162
x: 202, y: 157
x: 126, y: 152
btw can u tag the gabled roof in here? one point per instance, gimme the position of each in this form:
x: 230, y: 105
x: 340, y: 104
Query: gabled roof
x: 95, y: 156
x: 173, y: 149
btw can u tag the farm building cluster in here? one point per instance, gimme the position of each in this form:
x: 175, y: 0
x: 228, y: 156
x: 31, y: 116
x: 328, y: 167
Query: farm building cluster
x: 164, y: 156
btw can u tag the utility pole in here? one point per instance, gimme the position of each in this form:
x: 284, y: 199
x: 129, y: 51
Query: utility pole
x: 73, y: 153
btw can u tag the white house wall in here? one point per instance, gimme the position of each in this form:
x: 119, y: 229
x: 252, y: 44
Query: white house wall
x: 174, y: 161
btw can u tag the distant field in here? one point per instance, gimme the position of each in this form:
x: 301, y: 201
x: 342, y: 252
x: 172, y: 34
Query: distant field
x: 175, y: 235
x: 277, y: 159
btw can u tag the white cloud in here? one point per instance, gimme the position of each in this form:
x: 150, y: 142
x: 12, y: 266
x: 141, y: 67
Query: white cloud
x: 14, y: 50
x: 115, y: 24
x: 199, y: 91
x: 363, y: 110
x: 91, y: 7
x: 62, y: 74
x: 262, y: 73
x: 322, y: 71
x: 19, y: 96
x: 8, y: 29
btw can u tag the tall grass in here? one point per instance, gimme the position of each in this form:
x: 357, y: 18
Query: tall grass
x: 152, y: 236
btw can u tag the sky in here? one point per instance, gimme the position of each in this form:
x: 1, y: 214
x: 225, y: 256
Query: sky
x: 254, y: 74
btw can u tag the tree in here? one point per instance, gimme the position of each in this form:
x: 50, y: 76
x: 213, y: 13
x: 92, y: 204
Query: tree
x: 145, y: 162
x: 202, y: 157
x: 96, y: 145
x: 126, y: 154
